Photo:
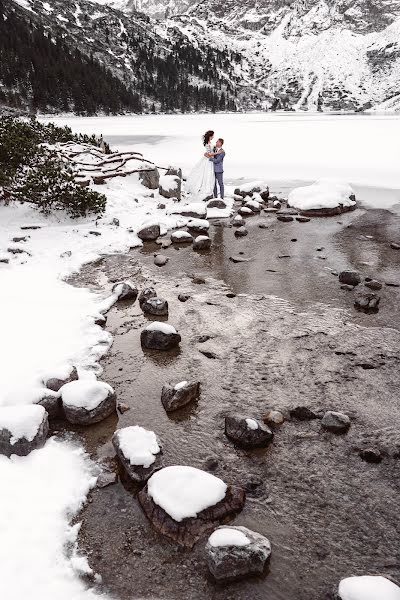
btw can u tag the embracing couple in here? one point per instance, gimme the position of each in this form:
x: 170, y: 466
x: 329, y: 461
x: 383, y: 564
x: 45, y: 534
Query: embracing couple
x: 202, y: 181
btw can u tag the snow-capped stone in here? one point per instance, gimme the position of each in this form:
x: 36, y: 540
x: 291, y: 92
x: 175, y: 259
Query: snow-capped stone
x: 253, y: 205
x: 181, y: 237
x: 160, y: 260
x: 183, y: 502
x: 368, y: 587
x: 155, y: 306
x: 202, y: 242
x: 51, y: 402
x: 87, y: 401
x: 197, y: 210
x: 245, y: 211
x: 170, y: 186
x: 149, y: 232
x: 241, y: 231
x: 150, y: 178
x: 323, y: 198
x: 366, y: 301
x: 247, y: 432
x: 146, y: 294
x: 139, y: 451
x: 350, y: 277
x: 198, y: 225
x: 238, y: 221
x: 335, y: 421
x: 248, y: 189
x: 174, y: 397
x: 22, y: 429
x: 160, y: 336
x: 125, y: 290
x: 55, y: 383
x: 236, y: 552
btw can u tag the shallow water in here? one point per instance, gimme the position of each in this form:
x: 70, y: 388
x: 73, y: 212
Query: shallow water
x: 290, y: 337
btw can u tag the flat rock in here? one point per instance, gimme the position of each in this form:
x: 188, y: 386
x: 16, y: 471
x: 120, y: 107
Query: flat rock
x: 160, y: 336
x: 350, y: 277
x: 336, y: 422
x: 183, y: 297
x: 236, y: 552
x: 195, y: 209
x: 302, y: 219
x: 273, y: 417
x: 22, y: 429
x: 238, y: 221
x: 239, y: 259
x: 155, y: 306
x: 174, y: 397
x: 371, y: 455
x: 247, y: 432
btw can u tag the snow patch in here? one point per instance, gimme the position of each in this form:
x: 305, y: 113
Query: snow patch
x: 321, y: 194
x: 227, y: 536
x: 252, y: 424
x: 159, y: 326
x: 86, y: 394
x: 138, y: 445
x: 22, y: 421
x: 180, y: 385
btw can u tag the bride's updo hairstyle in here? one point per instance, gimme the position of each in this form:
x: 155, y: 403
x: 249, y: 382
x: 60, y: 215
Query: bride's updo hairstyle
x: 207, y: 136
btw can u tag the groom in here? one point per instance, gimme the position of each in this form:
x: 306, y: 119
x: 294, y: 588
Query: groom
x: 218, y: 161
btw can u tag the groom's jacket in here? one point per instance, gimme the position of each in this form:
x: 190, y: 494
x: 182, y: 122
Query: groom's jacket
x: 218, y: 162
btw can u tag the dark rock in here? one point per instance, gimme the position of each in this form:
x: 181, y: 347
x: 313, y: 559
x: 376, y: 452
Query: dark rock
x: 160, y: 336
x: 56, y: 384
x: 395, y: 246
x: 146, y: 294
x: 303, y: 413
x: 373, y: 285
x: 336, y: 422
x: 198, y: 280
x: 150, y: 179
x: 161, y: 206
x: 74, y: 396
x: 265, y: 194
x: 155, y: 306
x: 123, y: 408
x: 367, y: 302
x: 392, y: 283
x: 244, y: 193
x: 183, y: 297
x: 288, y: 211
x: 106, y: 478
x: 371, y: 455
x: 247, y: 432
x: 160, y: 260
x: 293, y: 240
x: 239, y: 259
x: 203, y: 338
x: 230, y: 295
x: 241, y: 232
x: 350, y: 277
x: 21, y: 446
x: 4, y: 261
x: 263, y: 225
x: 211, y: 463
x: 94, y: 232
x: 174, y: 397
x: 139, y: 473
x: 253, y: 205
x: 285, y: 218
x: 125, y: 290
x: 51, y: 402
x: 33, y: 227
x: 328, y: 212
x: 115, y: 222
x: 216, y: 204
x: 232, y: 562
x: 202, y: 242
x: 301, y: 219
x: 209, y: 354
x: 149, y: 233
x: 24, y: 238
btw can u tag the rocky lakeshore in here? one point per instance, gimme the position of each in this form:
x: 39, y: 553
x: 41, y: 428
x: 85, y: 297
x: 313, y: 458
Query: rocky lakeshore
x: 272, y: 335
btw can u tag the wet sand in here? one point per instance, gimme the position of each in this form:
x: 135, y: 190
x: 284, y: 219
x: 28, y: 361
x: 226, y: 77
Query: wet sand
x: 289, y: 337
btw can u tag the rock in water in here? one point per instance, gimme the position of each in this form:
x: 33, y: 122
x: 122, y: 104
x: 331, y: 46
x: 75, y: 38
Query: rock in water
x: 350, y: 277
x: 285, y: 218
x: 146, y: 294
x: 200, y: 226
x: 202, y: 242
x: 181, y: 237
x: 150, y: 178
x: 216, y: 204
x: 241, y: 232
x: 373, y: 284
x: 368, y: 587
x: 336, y: 422
x: 160, y: 260
x: 139, y: 452
x: 170, y: 186
x: 22, y: 429
x: 87, y: 401
x: 238, y: 221
x: 237, y: 552
x: 198, y: 210
x: 125, y: 290
x: 55, y: 383
x: 303, y: 413
x: 247, y: 432
x: 367, y: 302
x: 174, y: 397
x: 149, y: 233
x: 155, y: 306
x: 183, y: 503
x: 160, y: 336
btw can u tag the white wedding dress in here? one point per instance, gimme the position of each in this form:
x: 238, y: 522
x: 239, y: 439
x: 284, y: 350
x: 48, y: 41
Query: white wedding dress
x: 201, y: 180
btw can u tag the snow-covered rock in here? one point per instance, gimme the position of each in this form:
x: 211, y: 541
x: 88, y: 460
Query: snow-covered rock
x: 197, y: 210
x: 241, y: 231
x: 139, y: 451
x: 160, y: 260
x: 181, y: 237
x: 323, y: 198
x: 247, y: 432
x: 160, y: 336
x: 236, y: 552
x: 198, y: 225
x: 125, y: 290
x: 145, y: 294
x: 202, y: 242
x: 51, y: 402
x: 170, y: 186
x: 245, y: 211
x: 368, y: 587
x: 253, y: 205
x: 55, y: 383
x: 155, y: 306
x: 87, y: 401
x: 22, y: 429
x: 183, y: 502
x: 149, y: 232
x: 174, y: 397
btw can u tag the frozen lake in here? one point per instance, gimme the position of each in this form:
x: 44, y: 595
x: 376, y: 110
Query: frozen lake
x: 360, y: 149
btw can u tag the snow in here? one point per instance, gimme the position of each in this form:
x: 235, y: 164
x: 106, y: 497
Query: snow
x: 159, y: 326
x: 321, y: 194
x: 168, y: 182
x: 86, y: 394
x: 180, y: 385
x: 368, y: 587
x: 198, y: 208
x: 228, y: 536
x: 138, y: 445
x: 201, y: 238
x: 21, y: 421
x: 252, y: 424
x: 184, y: 492
x: 202, y: 223
x: 246, y: 210
x: 40, y: 494
x: 181, y: 235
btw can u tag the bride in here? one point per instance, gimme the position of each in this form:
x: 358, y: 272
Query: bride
x: 201, y: 180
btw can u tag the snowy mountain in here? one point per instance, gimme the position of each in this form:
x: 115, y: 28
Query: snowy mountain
x: 302, y: 54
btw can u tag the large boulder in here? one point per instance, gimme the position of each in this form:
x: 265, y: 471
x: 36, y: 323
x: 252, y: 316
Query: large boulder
x: 160, y: 336
x: 170, y: 187
x: 368, y: 587
x: 174, y: 397
x: 149, y: 233
x: 55, y: 383
x: 139, y: 451
x: 336, y: 422
x: 146, y: 294
x: 247, y: 432
x: 350, y: 277
x: 237, y: 552
x: 22, y: 429
x: 183, y: 503
x: 150, y: 178
x: 155, y: 306
x: 125, y: 290
x: 87, y: 401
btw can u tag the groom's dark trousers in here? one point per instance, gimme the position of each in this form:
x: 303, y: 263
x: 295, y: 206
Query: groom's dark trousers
x: 218, y: 161
x: 220, y: 178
